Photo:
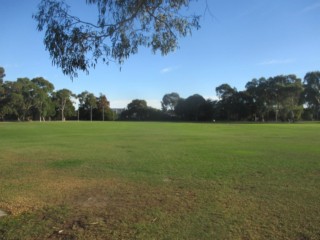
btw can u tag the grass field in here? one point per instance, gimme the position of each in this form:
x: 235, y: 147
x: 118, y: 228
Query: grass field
x: 122, y: 180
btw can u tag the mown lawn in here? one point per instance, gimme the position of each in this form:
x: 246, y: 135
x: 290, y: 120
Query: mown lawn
x: 140, y: 180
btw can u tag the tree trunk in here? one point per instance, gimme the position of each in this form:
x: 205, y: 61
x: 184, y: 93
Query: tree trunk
x: 62, y: 114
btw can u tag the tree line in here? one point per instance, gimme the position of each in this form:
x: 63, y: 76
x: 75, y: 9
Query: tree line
x: 279, y: 98
x: 35, y: 99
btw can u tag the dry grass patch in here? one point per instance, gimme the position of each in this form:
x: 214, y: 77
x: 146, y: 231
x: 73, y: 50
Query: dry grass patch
x: 74, y: 208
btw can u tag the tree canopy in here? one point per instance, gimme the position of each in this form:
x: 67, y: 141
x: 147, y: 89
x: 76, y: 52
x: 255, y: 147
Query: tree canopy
x: 311, y: 92
x: 170, y: 101
x: 121, y: 27
x: 2, y: 74
x: 278, y: 98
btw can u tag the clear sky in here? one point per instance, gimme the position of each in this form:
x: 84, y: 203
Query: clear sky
x: 240, y: 40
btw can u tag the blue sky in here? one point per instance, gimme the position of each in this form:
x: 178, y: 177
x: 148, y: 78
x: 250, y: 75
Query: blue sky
x: 240, y: 40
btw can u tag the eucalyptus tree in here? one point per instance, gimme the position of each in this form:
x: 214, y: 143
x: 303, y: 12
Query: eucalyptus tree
x: 293, y: 102
x: 170, y: 101
x: 121, y: 28
x: 193, y: 107
x: 181, y: 108
x: 24, y: 97
x: 103, y: 105
x: 87, y: 102
x: 2, y: 93
x: 18, y: 98
x: 258, y: 98
x: 92, y: 102
x: 227, y: 101
x: 2, y: 74
x: 11, y: 101
x: 311, y: 93
x: 63, y: 100
x: 284, y: 96
x: 137, y: 109
x: 43, y: 97
x: 225, y: 91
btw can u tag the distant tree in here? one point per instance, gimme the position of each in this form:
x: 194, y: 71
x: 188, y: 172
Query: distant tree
x: 137, y: 104
x: 28, y: 91
x: 293, y: 101
x: 241, y: 105
x: 275, y: 98
x: 228, y: 102
x: 137, y: 109
x: 43, y: 84
x: 104, y: 106
x: 153, y: 114
x: 88, y: 102
x: 83, y: 107
x: 2, y: 93
x: 224, y: 91
x: 18, y: 99
x: 2, y: 74
x: 284, y: 97
x: 63, y: 100
x: 256, y: 90
x: 170, y: 101
x: 43, y: 98
x: 12, y: 101
x: 24, y: 99
x: 120, y: 29
x: 206, y: 110
x: 194, y: 108
x: 311, y: 93
x: 92, y: 102
x: 181, y: 108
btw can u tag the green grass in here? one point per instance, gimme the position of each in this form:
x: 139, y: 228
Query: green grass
x: 130, y: 180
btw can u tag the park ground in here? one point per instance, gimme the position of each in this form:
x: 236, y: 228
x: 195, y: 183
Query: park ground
x: 148, y: 180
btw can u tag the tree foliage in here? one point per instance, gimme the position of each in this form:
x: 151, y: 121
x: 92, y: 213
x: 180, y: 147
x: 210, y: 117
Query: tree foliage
x: 64, y: 103
x: 278, y: 98
x: 138, y: 109
x: 275, y: 98
x: 43, y: 94
x: 224, y: 91
x: 170, y: 101
x: 88, y: 102
x: 35, y: 99
x: 104, y: 107
x: 121, y: 27
x: 311, y: 93
x: 2, y: 74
